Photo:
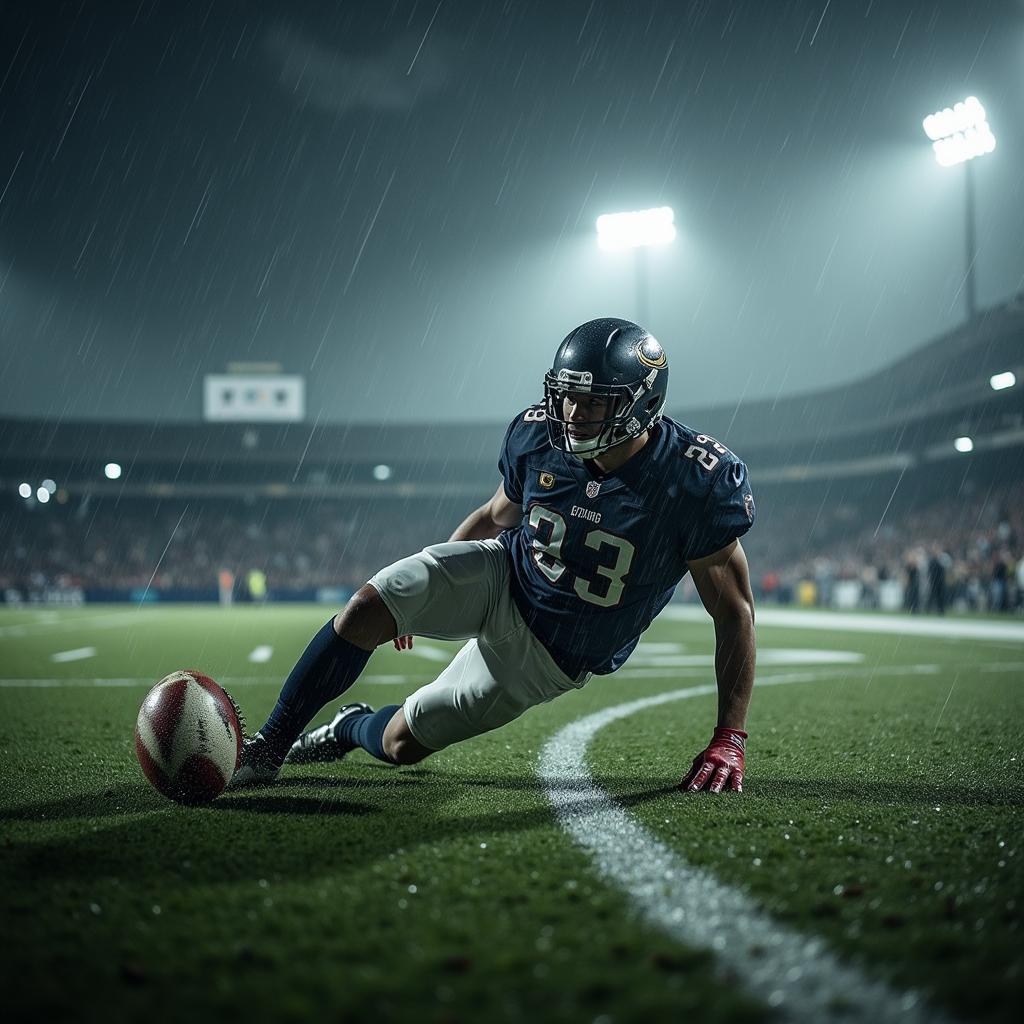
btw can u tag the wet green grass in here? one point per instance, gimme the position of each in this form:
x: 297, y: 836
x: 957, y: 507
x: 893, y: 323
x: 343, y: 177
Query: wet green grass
x: 882, y: 811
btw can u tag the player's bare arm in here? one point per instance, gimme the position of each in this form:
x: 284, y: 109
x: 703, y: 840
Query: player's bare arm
x: 486, y: 522
x: 723, y: 583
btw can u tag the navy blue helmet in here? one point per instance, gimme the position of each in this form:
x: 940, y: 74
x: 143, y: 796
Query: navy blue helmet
x: 614, y: 359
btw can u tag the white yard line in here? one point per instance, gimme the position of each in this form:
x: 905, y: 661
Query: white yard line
x: 229, y: 682
x: 793, y: 973
x: 78, y: 654
x: 854, y: 622
x: 432, y: 652
x: 765, y: 656
x: 261, y: 654
x: 109, y: 620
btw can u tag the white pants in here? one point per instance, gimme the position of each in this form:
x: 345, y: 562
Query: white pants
x: 457, y: 591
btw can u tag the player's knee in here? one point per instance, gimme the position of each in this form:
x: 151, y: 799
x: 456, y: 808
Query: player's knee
x: 399, y: 743
x: 405, y: 750
x: 365, y: 621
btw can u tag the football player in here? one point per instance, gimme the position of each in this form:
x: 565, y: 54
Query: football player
x: 604, y: 505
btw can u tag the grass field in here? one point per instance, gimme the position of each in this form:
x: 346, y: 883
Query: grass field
x: 881, y: 815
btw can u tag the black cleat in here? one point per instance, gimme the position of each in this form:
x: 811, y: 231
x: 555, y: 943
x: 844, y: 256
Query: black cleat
x: 320, y: 745
x: 257, y: 766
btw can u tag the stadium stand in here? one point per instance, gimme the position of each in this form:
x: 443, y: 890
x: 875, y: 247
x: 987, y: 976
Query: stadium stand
x: 860, y: 492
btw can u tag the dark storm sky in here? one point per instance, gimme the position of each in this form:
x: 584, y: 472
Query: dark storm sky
x: 398, y: 199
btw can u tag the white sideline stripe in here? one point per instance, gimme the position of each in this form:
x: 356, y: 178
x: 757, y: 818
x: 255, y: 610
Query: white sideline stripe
x: 431, y: 652
x: 109, y: 621
x: 227, y: 681
x: 852, y: 622
x: 687, y: 672
x: 261, y: 654
x: 78, y: 654
x: 785, y: 968
x: 765, y: 656
x: 373, y: 680
x: 385, y: 680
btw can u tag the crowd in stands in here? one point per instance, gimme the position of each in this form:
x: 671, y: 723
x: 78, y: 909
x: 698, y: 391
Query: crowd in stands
x: 941, y: 556
x: 962, y: 556
x: 139, y: 545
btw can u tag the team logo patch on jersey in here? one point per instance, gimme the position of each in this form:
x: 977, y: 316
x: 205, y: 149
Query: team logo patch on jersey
x: 546, y: 480
x: 650, y: 353
x: 748, y: 505
x: 593, y: 487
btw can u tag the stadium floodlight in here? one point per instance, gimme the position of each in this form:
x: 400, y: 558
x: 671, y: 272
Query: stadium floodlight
x: 112, y: 471
x: 42, y: 495
x: 636, y: 228
x: 25, y: 490
x: 50, y: 486
x: 1002, y: 381
x: 963, y: 444
x: 382, y: 472
x: 960, y: 132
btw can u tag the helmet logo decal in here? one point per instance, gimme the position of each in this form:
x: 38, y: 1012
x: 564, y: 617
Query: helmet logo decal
x: 650, y: 353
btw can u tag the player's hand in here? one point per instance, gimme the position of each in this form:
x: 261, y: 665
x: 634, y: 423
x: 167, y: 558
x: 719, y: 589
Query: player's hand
x: 720, y: 765
x: 403, y: 643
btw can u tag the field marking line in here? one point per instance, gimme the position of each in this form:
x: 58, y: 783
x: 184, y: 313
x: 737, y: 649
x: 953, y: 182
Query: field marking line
x: 78, y: 654
x: 854, y: 670
x: 110, y: 620
x: 854, y: 622
x: 261, y: 654
x: 785, y: 968
x: 431, y: 652
x: 765, y: 656
x: 78, y: 682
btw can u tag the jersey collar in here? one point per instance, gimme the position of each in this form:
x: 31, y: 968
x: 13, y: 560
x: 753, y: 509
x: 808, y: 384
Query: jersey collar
x: 630, y: 473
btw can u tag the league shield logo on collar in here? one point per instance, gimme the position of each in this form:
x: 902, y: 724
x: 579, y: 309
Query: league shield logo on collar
x: 546, y: 480
x: 593, y: 486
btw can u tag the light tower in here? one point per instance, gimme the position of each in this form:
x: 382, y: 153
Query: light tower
x: 637, y: 230
x: 959, y: 134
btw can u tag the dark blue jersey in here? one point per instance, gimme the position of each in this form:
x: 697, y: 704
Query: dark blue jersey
x: 596, y: 558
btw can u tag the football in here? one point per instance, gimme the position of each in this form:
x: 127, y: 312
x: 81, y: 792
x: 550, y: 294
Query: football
x: 188, y: 737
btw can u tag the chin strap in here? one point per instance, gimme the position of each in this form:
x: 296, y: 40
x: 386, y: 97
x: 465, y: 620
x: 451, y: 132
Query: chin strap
x: 588, y: 449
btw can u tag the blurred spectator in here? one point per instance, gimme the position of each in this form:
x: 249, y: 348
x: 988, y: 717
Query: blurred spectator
x: 912, y: 595
x: 943, y: 556
x: 938, y: 568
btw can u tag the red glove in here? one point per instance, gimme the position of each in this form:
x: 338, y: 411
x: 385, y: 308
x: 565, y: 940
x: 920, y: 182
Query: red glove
x: 722, y: 762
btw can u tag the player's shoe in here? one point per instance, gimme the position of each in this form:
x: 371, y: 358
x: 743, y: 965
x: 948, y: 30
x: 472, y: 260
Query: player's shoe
x: 257, y: 765
x: 320, y: 745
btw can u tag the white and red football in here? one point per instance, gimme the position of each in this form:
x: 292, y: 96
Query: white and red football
x: 188, y: 737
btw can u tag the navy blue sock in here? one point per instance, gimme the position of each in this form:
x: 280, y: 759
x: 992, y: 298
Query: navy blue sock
x: 327, y: 668
x: 367, y: 730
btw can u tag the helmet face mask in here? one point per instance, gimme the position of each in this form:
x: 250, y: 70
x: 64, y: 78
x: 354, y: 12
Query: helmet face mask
x: 616, y: 426
x: 612, y: 359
